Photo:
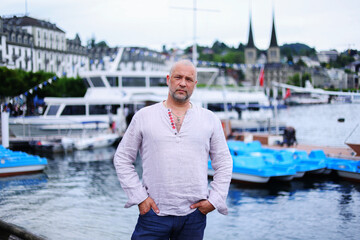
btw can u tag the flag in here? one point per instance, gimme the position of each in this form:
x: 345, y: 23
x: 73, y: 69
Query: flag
x: 288, y: 93
x: 261, y: 77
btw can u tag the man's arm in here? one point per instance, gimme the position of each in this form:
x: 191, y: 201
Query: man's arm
x: 124, y: 159
x: 222, y: 163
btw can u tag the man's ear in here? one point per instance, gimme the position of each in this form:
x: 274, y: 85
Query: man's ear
x: 167, y: 80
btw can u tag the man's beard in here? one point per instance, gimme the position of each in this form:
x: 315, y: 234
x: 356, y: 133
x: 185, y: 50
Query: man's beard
x: 180, y: 98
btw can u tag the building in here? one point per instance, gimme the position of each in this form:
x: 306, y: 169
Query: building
x: 34, y: 45
x: 327, y: 56
x: 269, y: 59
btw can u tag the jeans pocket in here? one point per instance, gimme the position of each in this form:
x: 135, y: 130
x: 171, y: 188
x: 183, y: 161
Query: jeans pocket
x: 147, y: 213
x: 197, y: 210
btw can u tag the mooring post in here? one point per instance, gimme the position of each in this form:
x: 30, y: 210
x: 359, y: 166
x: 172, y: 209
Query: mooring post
x: 5, y: 128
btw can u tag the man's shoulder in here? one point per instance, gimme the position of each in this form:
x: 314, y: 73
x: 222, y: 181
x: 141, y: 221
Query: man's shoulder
x: 149, y: 109
x: 206, y: 112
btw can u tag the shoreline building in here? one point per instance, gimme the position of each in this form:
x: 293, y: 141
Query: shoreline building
x: 37, y: 45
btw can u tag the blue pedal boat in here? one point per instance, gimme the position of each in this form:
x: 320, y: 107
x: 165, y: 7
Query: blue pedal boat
x: 348, y: 169
x: 15, y: 163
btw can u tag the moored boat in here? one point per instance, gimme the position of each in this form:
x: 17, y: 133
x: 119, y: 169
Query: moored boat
x: 347, y: 169
x: 16, y: 163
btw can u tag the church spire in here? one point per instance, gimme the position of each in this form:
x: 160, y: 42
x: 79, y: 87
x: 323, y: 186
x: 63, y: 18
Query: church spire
x: 250, y: 43
x: 273, y: 41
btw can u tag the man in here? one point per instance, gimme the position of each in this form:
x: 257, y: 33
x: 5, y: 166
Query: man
x: 175, y: 139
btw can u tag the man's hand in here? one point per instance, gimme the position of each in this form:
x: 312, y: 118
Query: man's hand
x: 204, y: 206
x: 146, y: 205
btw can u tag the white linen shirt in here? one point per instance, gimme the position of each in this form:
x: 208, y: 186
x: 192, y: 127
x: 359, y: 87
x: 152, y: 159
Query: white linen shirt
x: 174, y: 163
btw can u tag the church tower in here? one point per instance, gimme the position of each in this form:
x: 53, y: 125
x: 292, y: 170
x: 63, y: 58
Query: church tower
x: 273, y: 53
x: 250, y: 49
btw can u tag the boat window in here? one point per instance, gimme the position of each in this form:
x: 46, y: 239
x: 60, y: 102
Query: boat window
x: 129, y: 108
x: 113, y: 81
x: 98, y: 109
x: 133, y: 82
x: 53, y: 110
x: 157, y: 81
x: 74, y: 110
x: 86, y: 82
x: 254, y: 106
x: 114, y: 108
x: 216, y: 107
x: 97, y: 81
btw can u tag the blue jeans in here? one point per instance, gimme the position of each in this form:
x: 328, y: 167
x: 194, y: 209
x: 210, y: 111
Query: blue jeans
x: 153, y: 227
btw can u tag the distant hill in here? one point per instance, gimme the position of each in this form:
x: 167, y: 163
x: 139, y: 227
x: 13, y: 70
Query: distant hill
x: 297, y: 49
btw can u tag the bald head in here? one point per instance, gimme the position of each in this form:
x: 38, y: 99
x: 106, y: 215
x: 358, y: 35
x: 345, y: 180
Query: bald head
x: 183, y: 62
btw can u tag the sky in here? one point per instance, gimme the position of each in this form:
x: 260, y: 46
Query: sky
x: 322, y: 24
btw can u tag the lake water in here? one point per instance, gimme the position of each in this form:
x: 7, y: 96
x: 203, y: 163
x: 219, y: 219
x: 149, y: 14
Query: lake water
x: 319, y: 125
x: 79, y: 197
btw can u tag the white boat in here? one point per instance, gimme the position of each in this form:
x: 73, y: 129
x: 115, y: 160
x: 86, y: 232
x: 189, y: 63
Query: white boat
x: 97, y: 140
x: 127, y: 85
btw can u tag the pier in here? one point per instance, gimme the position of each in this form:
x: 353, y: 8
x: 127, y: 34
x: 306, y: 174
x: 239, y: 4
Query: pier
x: 12, y: 231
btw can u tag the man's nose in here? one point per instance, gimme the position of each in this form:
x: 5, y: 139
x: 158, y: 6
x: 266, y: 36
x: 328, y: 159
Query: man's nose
x: 183, y: 82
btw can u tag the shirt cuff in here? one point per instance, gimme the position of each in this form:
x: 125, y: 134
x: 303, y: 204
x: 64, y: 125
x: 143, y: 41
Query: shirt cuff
x: 136, y: 197
x: 216, y: 200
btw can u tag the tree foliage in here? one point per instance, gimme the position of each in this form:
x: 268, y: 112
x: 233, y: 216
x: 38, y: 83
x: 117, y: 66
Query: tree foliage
x: 16, y: 82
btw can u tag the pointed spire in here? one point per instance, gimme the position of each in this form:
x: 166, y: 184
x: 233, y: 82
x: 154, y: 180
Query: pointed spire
x: 273, y: 41
x: 250, y: 43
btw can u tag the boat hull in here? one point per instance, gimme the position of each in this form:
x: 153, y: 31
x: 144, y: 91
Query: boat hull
x: 12, y: 171
x: 349, y: 175
x: 355, y: 147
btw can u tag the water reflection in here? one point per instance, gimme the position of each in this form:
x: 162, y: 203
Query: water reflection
x: 23, y: 182
x: 79, y: 196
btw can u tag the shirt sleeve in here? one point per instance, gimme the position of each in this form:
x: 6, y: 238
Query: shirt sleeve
x: 221, y: 162
x: 124, y: 159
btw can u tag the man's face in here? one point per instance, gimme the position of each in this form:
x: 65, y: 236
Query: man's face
x: 182, y: 82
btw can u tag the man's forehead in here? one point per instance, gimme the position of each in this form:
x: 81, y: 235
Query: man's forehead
x: 184, y: 68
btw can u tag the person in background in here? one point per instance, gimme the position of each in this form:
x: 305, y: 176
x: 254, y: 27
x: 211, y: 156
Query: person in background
x: 175, y: 139
x: 289, y: 137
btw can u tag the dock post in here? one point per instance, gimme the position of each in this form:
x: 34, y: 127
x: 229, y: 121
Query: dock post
x: 5, y: 128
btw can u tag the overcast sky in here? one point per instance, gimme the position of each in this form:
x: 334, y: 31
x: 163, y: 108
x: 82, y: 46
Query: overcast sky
x: 323, y: 24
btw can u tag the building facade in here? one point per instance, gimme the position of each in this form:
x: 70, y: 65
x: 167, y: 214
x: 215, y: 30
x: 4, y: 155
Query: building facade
x: 36, y: 45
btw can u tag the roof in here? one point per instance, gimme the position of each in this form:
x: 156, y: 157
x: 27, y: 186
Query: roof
x: 29, y: 21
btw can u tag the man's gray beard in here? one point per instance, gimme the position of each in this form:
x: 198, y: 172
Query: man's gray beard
x: 180, y: 100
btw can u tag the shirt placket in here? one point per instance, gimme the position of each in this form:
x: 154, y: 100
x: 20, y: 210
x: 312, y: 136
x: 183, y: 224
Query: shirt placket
x: 173, y: 127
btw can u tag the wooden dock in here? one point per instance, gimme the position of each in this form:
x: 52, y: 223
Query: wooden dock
x: 337, y: 152
x: 269, y: 141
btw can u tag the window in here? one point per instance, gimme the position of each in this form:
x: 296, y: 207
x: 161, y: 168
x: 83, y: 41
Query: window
x: 103, y: 109
x: 98, y: 109
x: 86, y: 82
x: 133, y: 82
x: 250, y: 54
x: 273, y: 53
x: 114, y: 108
x: 97, y: 81
x: 254, y: 106
x: 53, y: 110
x: 74, y: 110
x: 157, y: 81
x: 113, y: 81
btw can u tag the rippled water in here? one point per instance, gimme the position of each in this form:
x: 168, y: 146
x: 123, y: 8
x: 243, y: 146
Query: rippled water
x: 79, y: 197
x: 319, y: 125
